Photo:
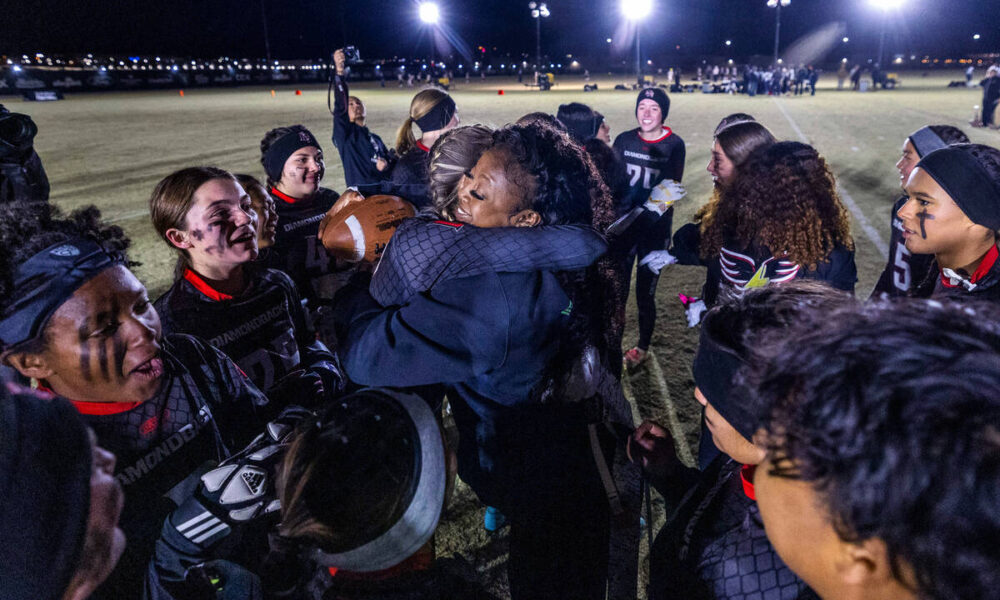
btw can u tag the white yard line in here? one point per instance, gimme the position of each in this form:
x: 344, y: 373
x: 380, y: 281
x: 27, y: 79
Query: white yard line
x: 873, y: 234
x: 129, y: 215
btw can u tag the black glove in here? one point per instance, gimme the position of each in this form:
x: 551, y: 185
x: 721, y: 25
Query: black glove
x: 298, y: 387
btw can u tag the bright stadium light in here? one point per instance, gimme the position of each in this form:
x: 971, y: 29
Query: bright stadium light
x: 777, y: 4
x: 975, y: 36
x: 636, y: 10
x: 886, y: 4
x: 845, y: 39
x: 429, y: 13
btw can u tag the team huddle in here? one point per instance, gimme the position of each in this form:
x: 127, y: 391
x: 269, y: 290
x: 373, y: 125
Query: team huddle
x: 272, y: 426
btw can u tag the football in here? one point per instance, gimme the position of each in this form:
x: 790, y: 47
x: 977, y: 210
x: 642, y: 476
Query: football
x: 357, y: 229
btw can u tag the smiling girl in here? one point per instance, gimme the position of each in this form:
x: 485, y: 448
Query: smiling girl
x: 253, y: 314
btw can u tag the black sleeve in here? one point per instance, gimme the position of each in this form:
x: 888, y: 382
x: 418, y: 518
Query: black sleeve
x: 677, y: 158
x: 687, y: 245
x: 341, y: 124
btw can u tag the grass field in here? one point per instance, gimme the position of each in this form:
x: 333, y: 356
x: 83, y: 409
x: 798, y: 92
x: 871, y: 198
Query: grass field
x: 110, y: 149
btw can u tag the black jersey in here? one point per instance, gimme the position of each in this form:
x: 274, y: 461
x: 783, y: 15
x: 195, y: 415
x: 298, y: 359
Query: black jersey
x: 757, y: 266
x: 904, y: 271
x: 298, y: 252
x: 983, y: 285
x: 714, y: 546
x: 205, y: 407
x: 264, y: 330
x: 359, y: 148
x: 649, y: 162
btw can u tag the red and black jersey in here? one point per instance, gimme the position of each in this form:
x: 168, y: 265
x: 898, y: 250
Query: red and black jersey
x: 298, y: 252
x: 647, y: 163
x: 264, y: 329
x: 904, y: 271
x: 205, y: 407
x: 714, y: 546
x: 983, y: 284
x: 757, y: 266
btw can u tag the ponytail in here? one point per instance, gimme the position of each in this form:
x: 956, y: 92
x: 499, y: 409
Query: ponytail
x: 404, y: 138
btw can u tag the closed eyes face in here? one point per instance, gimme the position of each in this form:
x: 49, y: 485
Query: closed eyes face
x: 487, y: 197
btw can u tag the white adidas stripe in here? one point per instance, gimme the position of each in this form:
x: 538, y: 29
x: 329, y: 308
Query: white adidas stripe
x: 211, y: 532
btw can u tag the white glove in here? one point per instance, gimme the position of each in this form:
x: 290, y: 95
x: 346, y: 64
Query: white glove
x: 664, y: 195
x: 658, y: 259
x: 694, y: 311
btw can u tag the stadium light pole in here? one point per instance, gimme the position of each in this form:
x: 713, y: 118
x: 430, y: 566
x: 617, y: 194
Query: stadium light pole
x: 635, y: 11
x: 538, y: 12
x: 777, y: 4
x: 885, y: 6
x: 430, y: 15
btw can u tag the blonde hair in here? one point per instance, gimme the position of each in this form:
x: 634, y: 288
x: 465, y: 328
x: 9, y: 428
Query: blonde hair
x: 455, y: 152
x: 423, y: 103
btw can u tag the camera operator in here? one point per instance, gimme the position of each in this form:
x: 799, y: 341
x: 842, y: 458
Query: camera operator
x: 22, y: 176
x: 365, y: 157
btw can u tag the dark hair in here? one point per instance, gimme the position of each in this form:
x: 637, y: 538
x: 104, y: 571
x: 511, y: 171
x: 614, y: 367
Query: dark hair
x: 785, y: 198
x: 891, y: 411
x: 949, y: 135
x: 580, y: 121
x: 987, y: 156
x: 611, y: 169
x: 269, y: 138
x: 27, y: 228
x: 732, y: 120
x: 569, y: 190
x: 543, y: 117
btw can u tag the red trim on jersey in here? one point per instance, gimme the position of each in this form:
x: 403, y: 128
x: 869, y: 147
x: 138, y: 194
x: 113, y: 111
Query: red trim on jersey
x: 103, y: 408
x: 454, y: 224
x: 746, y: 474
x: 669, y: 132
x: 984, y: 267
x: 202, y: 286
x: 422, y: 147
x: 283, y: 196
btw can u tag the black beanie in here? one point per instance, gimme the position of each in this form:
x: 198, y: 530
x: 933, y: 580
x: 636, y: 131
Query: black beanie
x: 45, y: 466
x: 580, y: 120
x: 715, y: 367
x: 657, y: 95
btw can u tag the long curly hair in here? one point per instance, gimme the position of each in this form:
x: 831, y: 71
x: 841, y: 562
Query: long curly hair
x: 569, y: 190
x: 738, y: 139
x: 784, y: 198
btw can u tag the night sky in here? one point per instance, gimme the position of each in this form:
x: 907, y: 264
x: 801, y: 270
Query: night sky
x: 384, y: 28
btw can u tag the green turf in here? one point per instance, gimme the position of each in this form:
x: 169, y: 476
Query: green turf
x: 110, y: 149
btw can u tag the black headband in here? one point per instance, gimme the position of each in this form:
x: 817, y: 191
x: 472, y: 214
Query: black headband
x: 715, y: 368
x: 925, y: 141
x: 438, y: 117
x: 44, y: 282
x: 282, y: 148
x: 968, y: 184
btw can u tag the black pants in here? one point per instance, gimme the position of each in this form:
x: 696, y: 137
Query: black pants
x: 559, y: 528
x: 988, y: 109
x: 655, y: 237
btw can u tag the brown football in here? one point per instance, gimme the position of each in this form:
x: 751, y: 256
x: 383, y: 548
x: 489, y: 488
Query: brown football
x: 359, y: 229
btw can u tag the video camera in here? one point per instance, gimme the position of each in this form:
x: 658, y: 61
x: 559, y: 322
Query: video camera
x: 22, y: 176
x: 352, y: 55
x: 17, y: 132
